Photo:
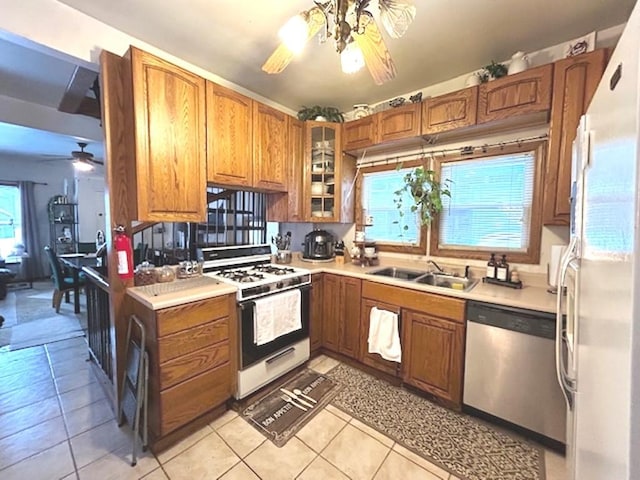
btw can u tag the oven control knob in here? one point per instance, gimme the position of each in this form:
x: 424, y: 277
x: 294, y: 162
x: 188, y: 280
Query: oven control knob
x: 279, y: 285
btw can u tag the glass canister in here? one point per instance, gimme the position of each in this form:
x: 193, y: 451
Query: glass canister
x: 165, y: 274
x: 144, y: 274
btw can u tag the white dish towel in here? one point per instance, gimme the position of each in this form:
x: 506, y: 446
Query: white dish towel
x: 384, y: 338
x: 276, y: 315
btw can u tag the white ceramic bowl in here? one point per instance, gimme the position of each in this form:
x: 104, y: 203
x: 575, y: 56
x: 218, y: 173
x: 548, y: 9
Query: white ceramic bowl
x: 323, y: 144
x: 369, y: 251
x: 318, y: 188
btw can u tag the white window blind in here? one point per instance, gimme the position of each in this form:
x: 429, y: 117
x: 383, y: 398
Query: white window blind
x: 490, y: 204
x: 377, y: 199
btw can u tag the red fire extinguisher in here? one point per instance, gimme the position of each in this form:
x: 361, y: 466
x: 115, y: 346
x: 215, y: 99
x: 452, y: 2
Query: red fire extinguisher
x: 125, y: 253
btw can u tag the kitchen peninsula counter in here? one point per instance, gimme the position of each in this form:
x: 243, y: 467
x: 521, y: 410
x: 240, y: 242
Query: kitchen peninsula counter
x: 532, y: 297
x: 179, y: 292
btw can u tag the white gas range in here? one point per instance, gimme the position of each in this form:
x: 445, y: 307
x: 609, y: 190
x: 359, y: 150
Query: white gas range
x: 249, y: 269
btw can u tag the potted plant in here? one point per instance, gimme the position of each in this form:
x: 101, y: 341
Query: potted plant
x: 492, y: 71
x: 330, y: 114
x: 426, y: 192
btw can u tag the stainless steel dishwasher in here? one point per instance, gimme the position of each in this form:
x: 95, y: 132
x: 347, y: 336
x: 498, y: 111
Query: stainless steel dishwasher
x: 510, y: 369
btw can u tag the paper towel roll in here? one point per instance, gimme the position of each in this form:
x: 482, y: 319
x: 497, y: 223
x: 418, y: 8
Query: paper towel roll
x: 554, y: 264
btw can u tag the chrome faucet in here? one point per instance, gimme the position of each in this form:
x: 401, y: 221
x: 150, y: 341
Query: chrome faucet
x: 435, y: 265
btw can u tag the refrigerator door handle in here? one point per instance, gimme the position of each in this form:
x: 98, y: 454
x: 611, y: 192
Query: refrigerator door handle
x: 566, y: 384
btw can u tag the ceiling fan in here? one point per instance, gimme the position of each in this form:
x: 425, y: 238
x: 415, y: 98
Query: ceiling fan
x: 82, y: 160
x: 352, y: 25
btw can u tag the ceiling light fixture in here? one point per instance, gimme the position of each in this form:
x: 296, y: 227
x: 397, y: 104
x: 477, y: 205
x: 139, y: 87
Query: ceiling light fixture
x: 354, y: 30
x: 83, y: 161
x: 82, y: 165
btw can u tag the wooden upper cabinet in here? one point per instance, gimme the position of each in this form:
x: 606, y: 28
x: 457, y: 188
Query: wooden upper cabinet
x: 296, y: 171
x: 289, y: 207
x: 432, y: 355
x: 574, y: 82
x: 328, y: 175
x: 229, y: 137
x: 398, y: 123
x: 170, y: 143
x: 269, y: 148
x: 450, y: 111
x: 360, y: 133
x: 519, y: 94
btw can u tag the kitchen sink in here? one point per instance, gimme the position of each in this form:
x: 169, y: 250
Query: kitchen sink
x: 436, y: 279
x: 447, y: 281
x: 400, y: 273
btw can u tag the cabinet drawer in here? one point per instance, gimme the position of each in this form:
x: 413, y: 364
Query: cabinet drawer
x: 437, y: 305
x: 172, y: 320
x: 187, y: 366
x: 187, y: 341
x: 196, y: 396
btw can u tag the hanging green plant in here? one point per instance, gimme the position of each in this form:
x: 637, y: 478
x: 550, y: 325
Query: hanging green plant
x: 426, y: 192
x: 329, y: 114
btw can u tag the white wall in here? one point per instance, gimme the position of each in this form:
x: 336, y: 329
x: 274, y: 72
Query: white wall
x: 89, y: 195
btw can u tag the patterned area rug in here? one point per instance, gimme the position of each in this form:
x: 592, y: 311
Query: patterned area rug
x: 458, y: 443
x: 279, y: 419
x: 30, y: 319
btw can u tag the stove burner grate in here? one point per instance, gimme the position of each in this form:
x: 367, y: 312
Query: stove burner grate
x: 273, y: 270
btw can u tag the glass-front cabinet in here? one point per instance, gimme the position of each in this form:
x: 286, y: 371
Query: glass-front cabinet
x: 327, y: 172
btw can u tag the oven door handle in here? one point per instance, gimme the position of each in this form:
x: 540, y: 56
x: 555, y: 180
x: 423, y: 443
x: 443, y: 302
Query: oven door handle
x: 248, y: 303
x: 281, y: 354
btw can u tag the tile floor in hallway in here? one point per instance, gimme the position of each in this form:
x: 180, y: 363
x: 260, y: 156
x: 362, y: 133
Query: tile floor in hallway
x: 55, y: 423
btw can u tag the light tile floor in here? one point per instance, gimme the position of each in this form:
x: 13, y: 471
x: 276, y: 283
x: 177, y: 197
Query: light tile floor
x: 55, y: 423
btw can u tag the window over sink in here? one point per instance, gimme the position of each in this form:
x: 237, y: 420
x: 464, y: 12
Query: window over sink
x: 495, y: 204
x: 375, y: 193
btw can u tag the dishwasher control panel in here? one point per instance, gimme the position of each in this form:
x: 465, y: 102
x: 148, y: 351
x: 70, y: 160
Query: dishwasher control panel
x: 530, y: 322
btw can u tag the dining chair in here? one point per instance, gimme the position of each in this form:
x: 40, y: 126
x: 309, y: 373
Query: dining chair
x: 61, y: 282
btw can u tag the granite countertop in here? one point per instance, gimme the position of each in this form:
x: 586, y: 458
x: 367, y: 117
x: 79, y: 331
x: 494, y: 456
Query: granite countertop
x: 532, y: 296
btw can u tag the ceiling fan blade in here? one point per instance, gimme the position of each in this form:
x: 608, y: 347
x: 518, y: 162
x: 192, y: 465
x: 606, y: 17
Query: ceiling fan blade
x: 376, y: 55
x: 396, y: 16
x: 278, y: 60
x: 282, y: 56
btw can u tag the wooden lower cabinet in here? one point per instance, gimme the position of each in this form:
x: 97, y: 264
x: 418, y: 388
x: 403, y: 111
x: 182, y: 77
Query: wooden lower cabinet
x: 191, y: 365
x: 373, y: 359
x: 431, y: 335
x: 341, y: 326
x: 316, y: 300
x: 433, y: 353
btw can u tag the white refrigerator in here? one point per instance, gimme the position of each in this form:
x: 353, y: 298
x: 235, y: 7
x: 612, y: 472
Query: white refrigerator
x: 598, y: 344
